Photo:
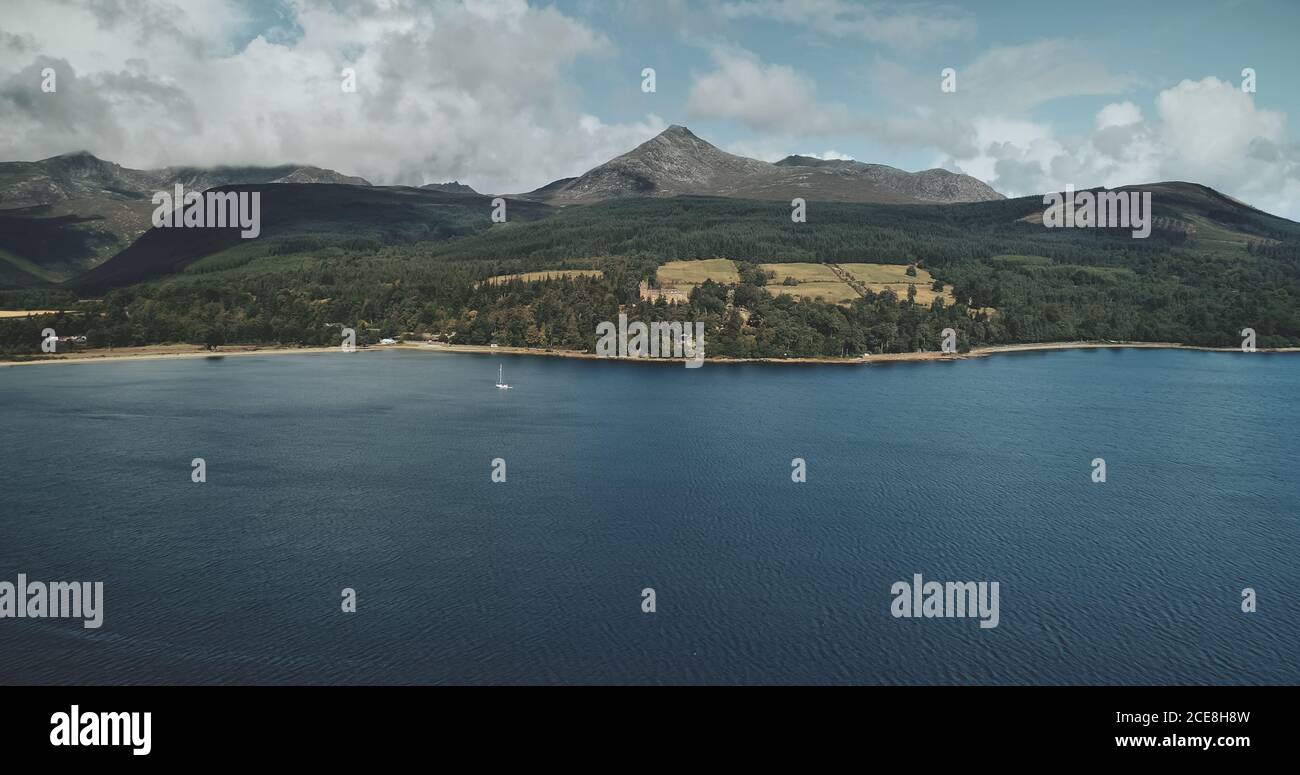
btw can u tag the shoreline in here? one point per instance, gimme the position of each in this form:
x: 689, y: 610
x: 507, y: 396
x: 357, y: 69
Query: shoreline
x: 927, y: 356
x: 158, y: 352
x: 167, y: 352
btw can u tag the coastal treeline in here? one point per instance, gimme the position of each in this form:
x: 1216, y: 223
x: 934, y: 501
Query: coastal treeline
x: 1016, y: 282
x: 454, y: 305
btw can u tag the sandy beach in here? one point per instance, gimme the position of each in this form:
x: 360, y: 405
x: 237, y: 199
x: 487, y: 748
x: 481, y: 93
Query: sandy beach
x: 162, y: 352
x: 27, y: 313
x: 169, y: 351
x: 980, y: 352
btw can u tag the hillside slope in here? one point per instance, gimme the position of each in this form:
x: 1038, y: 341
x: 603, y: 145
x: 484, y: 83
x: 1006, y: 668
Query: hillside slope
x: 936, y: 186
x: 677, y: 162
x: 306, y: 218
x: 67, y: 213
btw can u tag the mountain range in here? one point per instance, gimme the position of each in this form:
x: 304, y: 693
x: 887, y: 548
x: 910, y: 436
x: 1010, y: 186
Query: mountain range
x: 80, y: 176
x: 67, y: 214
x: 82, y: 219
x: 63, y: 215
x: 677, y: 162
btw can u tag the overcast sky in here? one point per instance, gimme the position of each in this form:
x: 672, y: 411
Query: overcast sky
x: 508, y: 95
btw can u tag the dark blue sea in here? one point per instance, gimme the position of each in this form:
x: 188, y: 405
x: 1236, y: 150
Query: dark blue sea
x: 372, y: 471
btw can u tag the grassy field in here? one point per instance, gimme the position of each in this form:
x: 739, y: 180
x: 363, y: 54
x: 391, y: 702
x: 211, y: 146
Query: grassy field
x: 804, y: 273
x: 886, y: 273
x: 816, y: 281
x: 893, y: 277
x: 532, y: 277
x: 1217, y: 236
x: 25, y: 313
x: 687, y: 273
x: 832, y: 293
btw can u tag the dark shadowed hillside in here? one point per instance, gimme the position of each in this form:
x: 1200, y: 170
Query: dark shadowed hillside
x: 65, y: 214
x: 304, y: 218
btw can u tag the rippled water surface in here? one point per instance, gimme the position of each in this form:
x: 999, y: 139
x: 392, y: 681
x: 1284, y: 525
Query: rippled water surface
x: 372, y: 471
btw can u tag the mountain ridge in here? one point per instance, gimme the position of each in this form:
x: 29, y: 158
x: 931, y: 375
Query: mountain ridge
x: 932, y: 186
x: 677, y: 161
x: 81, y: 173
x: 68, y: 213
x: 453, y: 187
x: 106, y: 211
x: 306, y: 218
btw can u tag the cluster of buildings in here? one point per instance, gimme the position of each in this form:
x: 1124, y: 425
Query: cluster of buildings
x: 669, y: 294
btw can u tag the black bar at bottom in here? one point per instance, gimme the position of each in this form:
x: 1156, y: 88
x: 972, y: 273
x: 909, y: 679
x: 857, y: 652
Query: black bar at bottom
x: 210, y: 725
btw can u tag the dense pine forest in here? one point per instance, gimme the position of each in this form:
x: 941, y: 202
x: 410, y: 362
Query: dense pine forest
x: 1209, y: 269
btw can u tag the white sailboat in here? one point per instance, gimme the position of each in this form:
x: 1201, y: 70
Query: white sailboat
x: 501, y: 383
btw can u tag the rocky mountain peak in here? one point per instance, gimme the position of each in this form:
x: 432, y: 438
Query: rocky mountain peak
x: 676, y: 161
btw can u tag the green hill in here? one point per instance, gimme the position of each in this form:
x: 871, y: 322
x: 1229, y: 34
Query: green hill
x: 304, y: 219
x: 402, y: 260
x: 66, y: 214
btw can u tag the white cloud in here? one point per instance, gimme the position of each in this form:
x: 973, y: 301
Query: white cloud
x: 1210, y: 124
x: 830, y: 156
x: 764, y: 96
x: 477, y: 91
x: 1017, y: 78
x: 1004, y: 80
x: 1205, y: 131
x: 1119, y: 114
x: 775, y: 98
